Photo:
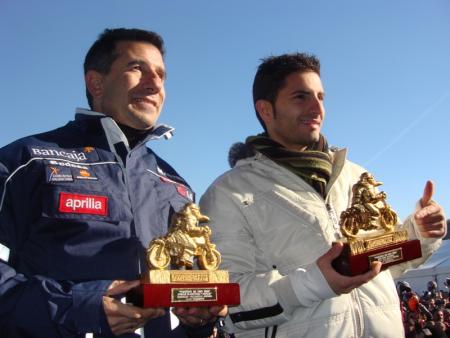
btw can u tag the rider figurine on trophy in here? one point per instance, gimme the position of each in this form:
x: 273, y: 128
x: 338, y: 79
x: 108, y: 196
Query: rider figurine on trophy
x: 369, y: 226
x: 369, y: 210
x: 186, y: 239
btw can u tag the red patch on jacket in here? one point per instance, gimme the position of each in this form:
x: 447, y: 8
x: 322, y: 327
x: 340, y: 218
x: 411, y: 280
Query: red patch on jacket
x: 185, y: 192
x: 83, y: 204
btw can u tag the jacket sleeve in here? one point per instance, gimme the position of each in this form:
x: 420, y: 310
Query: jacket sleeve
x: 267, y: 297
x: 31, y: 304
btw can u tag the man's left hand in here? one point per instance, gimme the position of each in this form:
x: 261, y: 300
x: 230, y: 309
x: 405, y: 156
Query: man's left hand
x: 199, y: 316
x: 430, y: 218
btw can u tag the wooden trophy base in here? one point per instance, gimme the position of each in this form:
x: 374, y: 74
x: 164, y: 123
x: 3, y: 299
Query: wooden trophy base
x: 179, y: 288
x: 391, y: 249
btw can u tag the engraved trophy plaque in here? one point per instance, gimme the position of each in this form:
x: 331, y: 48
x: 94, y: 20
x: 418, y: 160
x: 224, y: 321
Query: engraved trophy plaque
x: 185, y: 242
x: 371, y: 234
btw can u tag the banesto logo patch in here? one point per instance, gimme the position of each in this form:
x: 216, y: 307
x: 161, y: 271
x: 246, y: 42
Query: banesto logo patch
x: 83, y: 204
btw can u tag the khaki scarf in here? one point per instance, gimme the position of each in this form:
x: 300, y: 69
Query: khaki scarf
x: 313, y: 164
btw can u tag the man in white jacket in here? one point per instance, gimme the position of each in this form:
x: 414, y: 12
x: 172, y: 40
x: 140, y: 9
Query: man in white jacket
x: 273, y: 217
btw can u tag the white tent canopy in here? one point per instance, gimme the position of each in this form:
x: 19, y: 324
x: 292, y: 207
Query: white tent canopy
x: 436, y: 268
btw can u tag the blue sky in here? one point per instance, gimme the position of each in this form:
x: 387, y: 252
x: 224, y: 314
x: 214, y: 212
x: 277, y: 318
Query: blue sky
x: 385, y: 69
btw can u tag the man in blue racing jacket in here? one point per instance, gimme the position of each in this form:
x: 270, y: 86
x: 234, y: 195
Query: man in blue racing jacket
x: 80, y: 204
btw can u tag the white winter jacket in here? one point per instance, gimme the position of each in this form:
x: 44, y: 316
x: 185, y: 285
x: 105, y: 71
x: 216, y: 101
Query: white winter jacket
x: 271, y: 226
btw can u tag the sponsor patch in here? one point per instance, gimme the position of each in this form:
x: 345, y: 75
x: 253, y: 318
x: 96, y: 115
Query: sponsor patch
x: 67, y: 164
x: 56, y: 173
x: 83, y: 204
x: 88, y: 149
x: 85, y: 174
x: 181, y: 189
x: 185, y: 192
x: 74, y: 154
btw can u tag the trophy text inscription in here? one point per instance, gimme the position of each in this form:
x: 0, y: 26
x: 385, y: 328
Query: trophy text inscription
x: 194, y: 294
x: 388, y: 256
x: 192, y: 277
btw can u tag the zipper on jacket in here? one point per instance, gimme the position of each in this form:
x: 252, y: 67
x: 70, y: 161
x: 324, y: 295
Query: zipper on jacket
x: 357, y: 310
x: 127, y: 184
x: 334, y: 220
x: 122, y: 164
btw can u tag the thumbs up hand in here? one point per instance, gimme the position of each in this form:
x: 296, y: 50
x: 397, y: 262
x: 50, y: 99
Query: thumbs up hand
x: 430, y: 218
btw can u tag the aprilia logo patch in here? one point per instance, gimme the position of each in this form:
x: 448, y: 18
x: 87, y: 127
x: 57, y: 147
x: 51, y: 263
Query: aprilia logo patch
x: 83, y: 204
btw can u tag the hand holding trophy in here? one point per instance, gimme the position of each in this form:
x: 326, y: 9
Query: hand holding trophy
x: 186, y: 240
x: 369, y: 228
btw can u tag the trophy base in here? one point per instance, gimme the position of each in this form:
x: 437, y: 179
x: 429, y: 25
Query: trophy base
x: 180, y: 288
x: 181, y: 295
x: 352, y: 264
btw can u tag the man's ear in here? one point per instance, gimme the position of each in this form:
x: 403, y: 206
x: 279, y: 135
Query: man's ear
x: 94, y: 83
x: 265, y: 110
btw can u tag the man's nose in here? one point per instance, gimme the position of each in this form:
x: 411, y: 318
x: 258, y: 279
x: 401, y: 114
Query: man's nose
x: 152, y: 82
x: 317, y: 105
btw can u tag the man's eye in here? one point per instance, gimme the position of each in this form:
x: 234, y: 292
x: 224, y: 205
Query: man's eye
x: 162, y: 75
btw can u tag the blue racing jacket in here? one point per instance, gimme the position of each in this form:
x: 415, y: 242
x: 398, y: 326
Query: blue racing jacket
x: 78, y: 209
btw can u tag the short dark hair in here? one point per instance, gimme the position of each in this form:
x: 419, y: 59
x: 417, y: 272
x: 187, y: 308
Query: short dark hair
x: 103, y: 53
x: 272, y: 73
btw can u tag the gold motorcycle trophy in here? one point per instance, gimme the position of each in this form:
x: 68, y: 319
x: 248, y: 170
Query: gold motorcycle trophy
x: 371, y: 232
x: 186, y: 240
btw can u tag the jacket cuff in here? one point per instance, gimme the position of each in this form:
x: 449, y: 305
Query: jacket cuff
x: 87, y: 313
x: 302, y: 288
x: 310, y: 286
x: 285, y: 295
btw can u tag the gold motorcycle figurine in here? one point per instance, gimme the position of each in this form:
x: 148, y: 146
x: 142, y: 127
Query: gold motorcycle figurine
x: 184, y: 241
x: 369, y: 209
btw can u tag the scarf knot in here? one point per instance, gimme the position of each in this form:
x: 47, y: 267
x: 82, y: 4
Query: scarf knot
x: 312, y: 165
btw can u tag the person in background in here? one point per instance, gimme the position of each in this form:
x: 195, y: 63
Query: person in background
x: 80, y: 204
x: 274, y: 219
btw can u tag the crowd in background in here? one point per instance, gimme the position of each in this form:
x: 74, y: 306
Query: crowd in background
x: 426, y: 314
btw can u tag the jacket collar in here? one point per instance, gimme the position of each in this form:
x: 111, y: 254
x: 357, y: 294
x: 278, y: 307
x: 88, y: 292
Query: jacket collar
x: 114, y: 134
x: 241, y: 151
x: 338, y: 157
x: 117, y: 141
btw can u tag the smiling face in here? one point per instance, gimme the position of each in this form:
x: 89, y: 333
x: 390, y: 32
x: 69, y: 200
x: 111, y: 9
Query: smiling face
x: 132, y: 92
x: 296, y: 117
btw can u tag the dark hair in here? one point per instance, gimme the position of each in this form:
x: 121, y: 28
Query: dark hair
x: 103, y: 53
x: 272, y: 73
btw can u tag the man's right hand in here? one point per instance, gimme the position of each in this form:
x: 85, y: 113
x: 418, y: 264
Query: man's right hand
x: 126, y: 318
x: 340, y: 283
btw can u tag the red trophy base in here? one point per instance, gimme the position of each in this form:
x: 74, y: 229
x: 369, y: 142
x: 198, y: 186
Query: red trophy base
x: 180, y: 288
x: 170, y: 295
x: 352, y: 264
